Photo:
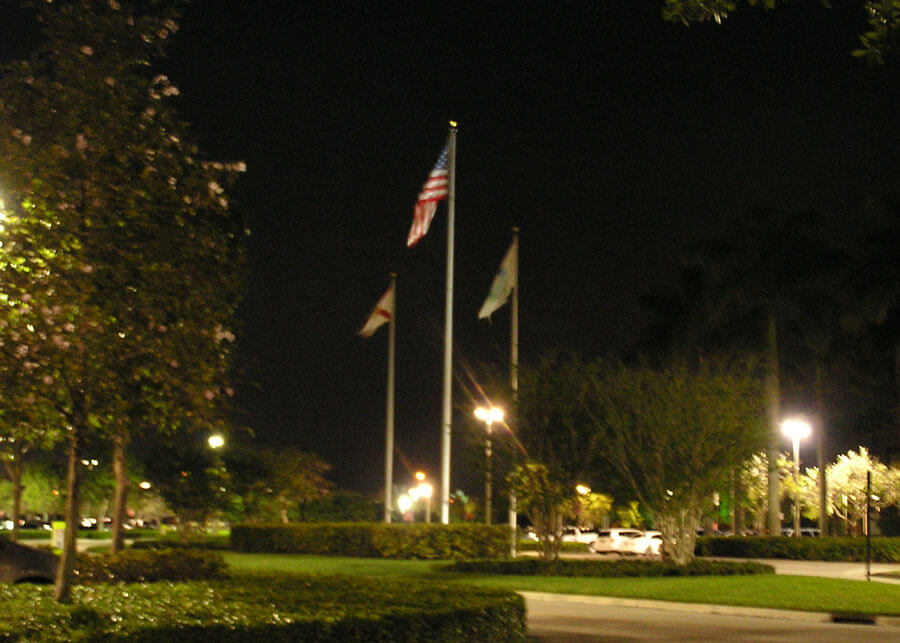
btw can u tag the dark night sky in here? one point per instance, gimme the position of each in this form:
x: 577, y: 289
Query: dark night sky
x: 605, y: 134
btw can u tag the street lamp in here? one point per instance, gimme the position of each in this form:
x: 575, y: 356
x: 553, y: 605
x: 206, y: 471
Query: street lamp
x: 796, y: 430
x: 488, y: 416
x: 423, y: 490
x: 403, y: 504
x: 216, y: 441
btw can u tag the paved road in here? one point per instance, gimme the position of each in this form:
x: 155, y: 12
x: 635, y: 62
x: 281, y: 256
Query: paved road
x: 585, y: 619
x: 580, y: 619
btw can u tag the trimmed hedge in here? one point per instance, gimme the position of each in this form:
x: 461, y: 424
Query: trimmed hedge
x: 605, y: 568
x: 175, y: 540
x: 375, y: 540
x: 266, y: 608
x: 147, y: 566
x: 836, y: 549
x: 570, y: 548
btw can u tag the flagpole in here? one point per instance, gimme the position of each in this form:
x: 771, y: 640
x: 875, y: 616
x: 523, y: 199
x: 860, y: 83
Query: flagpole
x: 389, y: 418
x: 514, y: 378
x: 448, y: 330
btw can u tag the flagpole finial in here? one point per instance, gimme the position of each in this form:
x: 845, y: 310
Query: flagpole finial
x: 452, y: 124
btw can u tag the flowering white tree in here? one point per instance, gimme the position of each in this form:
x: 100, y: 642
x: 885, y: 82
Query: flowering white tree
x: 754, y: 485
x: 847, y: 488
x: 118, y: 245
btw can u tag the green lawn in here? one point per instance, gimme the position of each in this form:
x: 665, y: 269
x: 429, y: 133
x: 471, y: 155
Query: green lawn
x: 328, y: 565
x: 781, y: 592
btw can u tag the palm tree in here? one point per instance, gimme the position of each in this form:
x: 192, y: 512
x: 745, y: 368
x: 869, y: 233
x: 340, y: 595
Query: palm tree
x: 761, y: 274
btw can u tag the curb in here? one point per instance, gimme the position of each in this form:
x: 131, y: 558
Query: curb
x: 707, y: 608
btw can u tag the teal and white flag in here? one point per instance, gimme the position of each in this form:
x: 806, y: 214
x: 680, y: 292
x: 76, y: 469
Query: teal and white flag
x: 502, y: 285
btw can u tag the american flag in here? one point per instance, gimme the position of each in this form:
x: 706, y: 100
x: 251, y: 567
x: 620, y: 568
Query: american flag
x: 434, y: 190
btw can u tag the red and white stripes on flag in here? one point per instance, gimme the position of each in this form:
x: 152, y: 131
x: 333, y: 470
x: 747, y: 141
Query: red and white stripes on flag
x: 435, y: 189
x: 382, y: 314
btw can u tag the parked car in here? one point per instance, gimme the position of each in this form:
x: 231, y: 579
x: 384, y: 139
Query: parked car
x: 21, y: 564
x: 627, y: 541
x: 578, y: 535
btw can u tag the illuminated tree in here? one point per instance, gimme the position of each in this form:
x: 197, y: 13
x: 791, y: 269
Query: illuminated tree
x: 847, y: 488
x: 545, y: 497
x: 118, y: 236
x: 754, y: 485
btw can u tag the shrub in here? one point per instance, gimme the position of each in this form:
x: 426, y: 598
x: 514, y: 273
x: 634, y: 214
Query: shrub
x: 375, y: 540
x: 846, y: 549
x: 606, y: 568
x: 192, y: 540
x: 572, y: 548
x: 267, y: 608
x: 147, y: 566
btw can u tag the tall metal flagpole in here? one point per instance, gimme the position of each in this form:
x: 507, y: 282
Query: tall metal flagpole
x: 448, y: 330
x: 514, y: 376
x: 389, y: 419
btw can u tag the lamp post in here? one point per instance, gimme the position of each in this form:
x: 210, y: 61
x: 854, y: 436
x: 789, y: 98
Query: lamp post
x: 488, y: 416
x: 216, y: 441
x: 796, y: 430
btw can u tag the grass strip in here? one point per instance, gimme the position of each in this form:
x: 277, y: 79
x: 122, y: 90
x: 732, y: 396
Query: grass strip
x: 768, y: 591
x: 771, y: 591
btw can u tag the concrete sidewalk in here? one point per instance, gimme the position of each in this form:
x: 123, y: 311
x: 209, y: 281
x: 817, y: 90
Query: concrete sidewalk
x: 708, y: 608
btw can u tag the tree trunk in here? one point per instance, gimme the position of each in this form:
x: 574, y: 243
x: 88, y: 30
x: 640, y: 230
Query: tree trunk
x: 679, y: 530
x: 16, y: 471
x: 820, y: 447
x: 62, y: 590
x: 120, y: 497
x: 773, y: 408
x: 738, y: 505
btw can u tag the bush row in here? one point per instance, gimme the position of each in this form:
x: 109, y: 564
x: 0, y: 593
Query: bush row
x: 847, y: 549
x: 147, y: 566
x: 573, y: 548
x: 176, y: 540
x: 375, y: 540
x: 606, y: 568
x: 266, y: 608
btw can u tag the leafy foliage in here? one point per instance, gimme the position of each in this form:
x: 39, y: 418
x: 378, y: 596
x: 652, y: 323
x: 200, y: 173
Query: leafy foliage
x: 606, y: 568
x: 378, y: 540
x: 545, y: 497
x: 276, y: 484
x: 850, y: 549
x: 121, y: 260
x: 673, y: 436
x: 755, y: 497
x: 846, y: 478
x: 878, y: 42
x: 149, y: 566
x: 267, y: 608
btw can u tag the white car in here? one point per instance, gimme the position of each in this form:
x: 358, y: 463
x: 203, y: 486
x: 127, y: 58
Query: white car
x: 627, y: 541
x: 578, y: 535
